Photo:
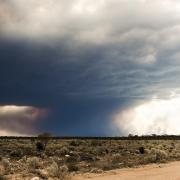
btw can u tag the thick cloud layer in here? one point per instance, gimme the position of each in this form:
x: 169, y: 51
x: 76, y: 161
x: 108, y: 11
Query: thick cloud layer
x: 20, y: 120
x: 108, y: 55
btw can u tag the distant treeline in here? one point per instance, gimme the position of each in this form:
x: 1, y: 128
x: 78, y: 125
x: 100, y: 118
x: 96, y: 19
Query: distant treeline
x: 130, y: 137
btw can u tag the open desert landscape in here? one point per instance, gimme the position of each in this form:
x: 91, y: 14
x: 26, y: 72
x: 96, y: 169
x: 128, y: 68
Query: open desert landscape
x: 89, y: 89
x: 80, y: 159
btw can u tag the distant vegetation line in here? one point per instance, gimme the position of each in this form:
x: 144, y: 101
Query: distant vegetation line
x: 130, y: 137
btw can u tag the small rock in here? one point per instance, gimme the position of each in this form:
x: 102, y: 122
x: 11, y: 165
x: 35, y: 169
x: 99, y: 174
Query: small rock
x: 43, y: 173
x: 24, y: 159
x: 35, y: 178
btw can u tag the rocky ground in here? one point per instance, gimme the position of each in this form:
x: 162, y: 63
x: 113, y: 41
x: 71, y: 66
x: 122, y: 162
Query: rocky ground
x: 65, y: 159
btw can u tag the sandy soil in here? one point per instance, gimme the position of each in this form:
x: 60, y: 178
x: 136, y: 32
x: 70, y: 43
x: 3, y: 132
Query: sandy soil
x: 170, y: 171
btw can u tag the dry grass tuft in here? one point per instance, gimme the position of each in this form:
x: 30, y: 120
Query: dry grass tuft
x: 33, y: 163
x: 58, y: 171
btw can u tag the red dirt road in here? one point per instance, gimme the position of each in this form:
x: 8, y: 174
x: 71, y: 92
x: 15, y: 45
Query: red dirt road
x: 170, y: 171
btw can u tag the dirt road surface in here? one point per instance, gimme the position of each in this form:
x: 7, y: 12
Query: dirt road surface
x: 170, y: 171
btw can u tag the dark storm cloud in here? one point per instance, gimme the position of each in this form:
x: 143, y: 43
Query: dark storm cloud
x: 84, y: 60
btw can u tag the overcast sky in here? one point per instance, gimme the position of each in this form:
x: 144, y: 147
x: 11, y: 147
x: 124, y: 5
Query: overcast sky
x: 89, y: 67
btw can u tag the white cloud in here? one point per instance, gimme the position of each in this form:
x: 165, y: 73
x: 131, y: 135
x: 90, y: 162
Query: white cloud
x: 11, y: 133
x: 138, y: 31
x: 53, y: 18
x: 152, y: 117
x: 20, y: 120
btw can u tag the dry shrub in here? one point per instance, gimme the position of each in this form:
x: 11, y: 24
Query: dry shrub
x: 16, y: 153
x: 73, y: 167
x: 74, y: 158
x: 2, y: 170
x: 116, y: 158
x: 62, y: 151
x: 57, y: 171
x: 40, y: 146
x: 74, y: 143
x: 104, y: 165
x: 95, y: 142
x: 33, y: 163
x: 150, y: 158
x: 141, y: 150
x: 5, y: 166
x: 2, y: 177
x: 87, y: 157
x: 157, y: 155
x: 161, y: 155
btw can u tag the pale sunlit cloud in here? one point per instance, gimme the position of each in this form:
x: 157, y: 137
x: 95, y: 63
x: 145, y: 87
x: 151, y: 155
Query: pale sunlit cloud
x: 20, y: 120
x: 153, y: 117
